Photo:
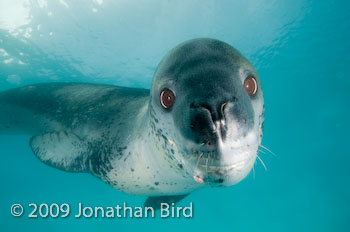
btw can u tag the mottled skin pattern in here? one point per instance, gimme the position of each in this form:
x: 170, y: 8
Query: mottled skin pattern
x: 125, y: 137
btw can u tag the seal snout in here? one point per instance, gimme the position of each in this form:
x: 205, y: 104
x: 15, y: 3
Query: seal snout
x: 208, y: 122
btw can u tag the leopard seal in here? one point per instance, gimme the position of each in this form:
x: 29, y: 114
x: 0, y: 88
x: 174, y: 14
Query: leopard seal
x: 200, y: 124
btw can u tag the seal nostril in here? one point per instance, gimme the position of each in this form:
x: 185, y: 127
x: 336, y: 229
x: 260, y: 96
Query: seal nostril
x: 204, y: 118
x: 212, y: 111
x: 222, y: 110
x: 208, y: 107
x: 223, y: 106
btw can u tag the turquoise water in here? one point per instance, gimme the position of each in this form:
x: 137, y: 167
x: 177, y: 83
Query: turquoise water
x: 301, y: 50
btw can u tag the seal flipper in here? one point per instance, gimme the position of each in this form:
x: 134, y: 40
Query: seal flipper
x: 155, y: 202
x: 61, y: 150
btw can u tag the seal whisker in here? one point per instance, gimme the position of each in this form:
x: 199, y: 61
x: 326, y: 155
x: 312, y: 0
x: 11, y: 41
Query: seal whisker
x: 199, y: 158
x: 210, y: 159
x: 262, y: 162
x: 253, y: 172
x: 206, y: 165
x: 272, y: 153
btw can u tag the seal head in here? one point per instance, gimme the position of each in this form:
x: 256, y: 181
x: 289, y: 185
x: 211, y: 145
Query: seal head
x: 207, y: 102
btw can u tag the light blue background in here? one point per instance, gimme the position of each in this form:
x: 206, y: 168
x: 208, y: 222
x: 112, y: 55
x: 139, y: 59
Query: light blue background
x: 299, y: 47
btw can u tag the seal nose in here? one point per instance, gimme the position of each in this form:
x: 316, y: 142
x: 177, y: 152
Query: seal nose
x: 208, y: 122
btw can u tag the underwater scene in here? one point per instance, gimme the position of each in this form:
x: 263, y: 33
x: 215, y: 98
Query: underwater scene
x: 292, y: 58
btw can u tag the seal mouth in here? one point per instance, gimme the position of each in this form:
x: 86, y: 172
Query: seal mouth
x: 223, y: 175
x: 223, y: 165
x: 209, y: 163
x: 205, y: 157
x: 213, y: 159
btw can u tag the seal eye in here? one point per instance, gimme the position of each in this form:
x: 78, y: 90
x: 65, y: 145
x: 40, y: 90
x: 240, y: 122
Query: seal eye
x: 250, y: 85
x: 167, y: 98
